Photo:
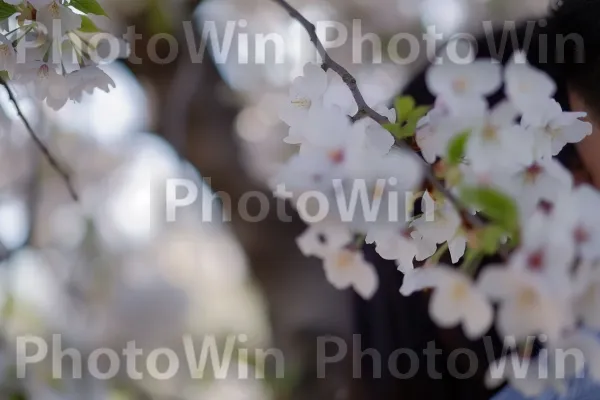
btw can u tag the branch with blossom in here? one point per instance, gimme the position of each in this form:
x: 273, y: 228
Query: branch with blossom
x: 492, y: 186
x: 363, y: 108
x: 53, y: 47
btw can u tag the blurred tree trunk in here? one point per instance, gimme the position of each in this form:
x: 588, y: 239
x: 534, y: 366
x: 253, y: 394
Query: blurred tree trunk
x: 301, y: 304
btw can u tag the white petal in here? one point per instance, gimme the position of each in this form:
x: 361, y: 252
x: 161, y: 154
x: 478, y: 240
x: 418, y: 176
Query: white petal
x: 443, y: 311
x: 419, y: 279
x: 315, y: 80
x: 479, y: 316
x: 457, y: 247
x: 366, y: 281
x: 518, y: 321
x: 497, y: 282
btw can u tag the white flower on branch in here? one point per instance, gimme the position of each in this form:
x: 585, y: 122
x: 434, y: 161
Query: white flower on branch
x: 533, y: 184
x: 496, y: 141
x: 86, y: 80
x: 552, y: 128
x: 46, y: 83
x: 525, y: 86
x: 530, y: 303
x: 54, y: 13
x: 306, y: 92
x: 455, y: 299
x: 344, y: 267
x: 462, y: 83
x: 321, y: 239
x: 402, y: 245
x: 440, y: 223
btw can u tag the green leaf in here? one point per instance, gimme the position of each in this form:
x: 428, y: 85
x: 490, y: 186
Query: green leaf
x: 498, y: 207
x: 7, y: 10
x: 88, y: 7
x: 399, y: 132
x: 87, y: 25
x: 404, y: 105
x: 391, y: 128
x: 408, y: 129
x: 456, y: 148
x: 418, y: 112
x: 471, y: 261
x: 490, y: 239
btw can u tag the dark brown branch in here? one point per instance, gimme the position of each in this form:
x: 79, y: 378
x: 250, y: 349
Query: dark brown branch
x: 365, y: 110
x: 40, y: 144
x: 328, y: 63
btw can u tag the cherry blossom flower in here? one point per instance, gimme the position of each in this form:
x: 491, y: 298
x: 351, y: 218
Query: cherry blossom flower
x: 552, y: 128
x: 457, y: 83
x: 373, y: 192
x: 401, y: 245
x: 8, y: 56
x: 344, y: 266
x: 540, y: 181
x: 550, y: 281
x: 455, y: 299
x: 439, y: 126
x: 86, y: 79
x: 323, y: 238
x: 52, y: 13
x: 530, y: 303
x: 575, y: 214
x: 306, y: 91
x: 375, y: 138
x: 347, y: 268
x: 440, y: 223
x: 527, y: 87
x: 497, y: 141
x: 433, y: 135
x: 47, y: 84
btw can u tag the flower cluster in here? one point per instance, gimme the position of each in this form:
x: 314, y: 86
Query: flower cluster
x: 53, y: 47
x: 496, y: 164
x: 338, y: 163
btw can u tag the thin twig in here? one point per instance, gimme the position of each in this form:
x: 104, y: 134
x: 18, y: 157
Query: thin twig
x: 328, y: 63
x: 40, y: 144
x: 365, y: 110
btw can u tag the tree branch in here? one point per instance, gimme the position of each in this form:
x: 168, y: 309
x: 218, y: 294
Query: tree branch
x: 328, y: 63
x: 40, y: 144
x: 365, y: 110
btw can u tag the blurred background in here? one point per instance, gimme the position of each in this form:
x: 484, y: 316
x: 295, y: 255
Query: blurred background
x: 111, y: 269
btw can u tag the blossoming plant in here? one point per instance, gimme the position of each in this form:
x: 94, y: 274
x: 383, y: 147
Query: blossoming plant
x: 484, y: 184
x: 53, y: 48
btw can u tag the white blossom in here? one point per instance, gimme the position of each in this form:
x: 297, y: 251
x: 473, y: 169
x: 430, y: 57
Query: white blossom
x: 306, y: 92
x: 552, y: 128
x: 455, y: 300
x: 527, y: 87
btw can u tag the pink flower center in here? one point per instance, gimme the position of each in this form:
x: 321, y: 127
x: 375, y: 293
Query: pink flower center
x: 44, y: 71
x: 533, y: 172
x: 337, y: 156
x: 581, y: 235
x: 535, y: 261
